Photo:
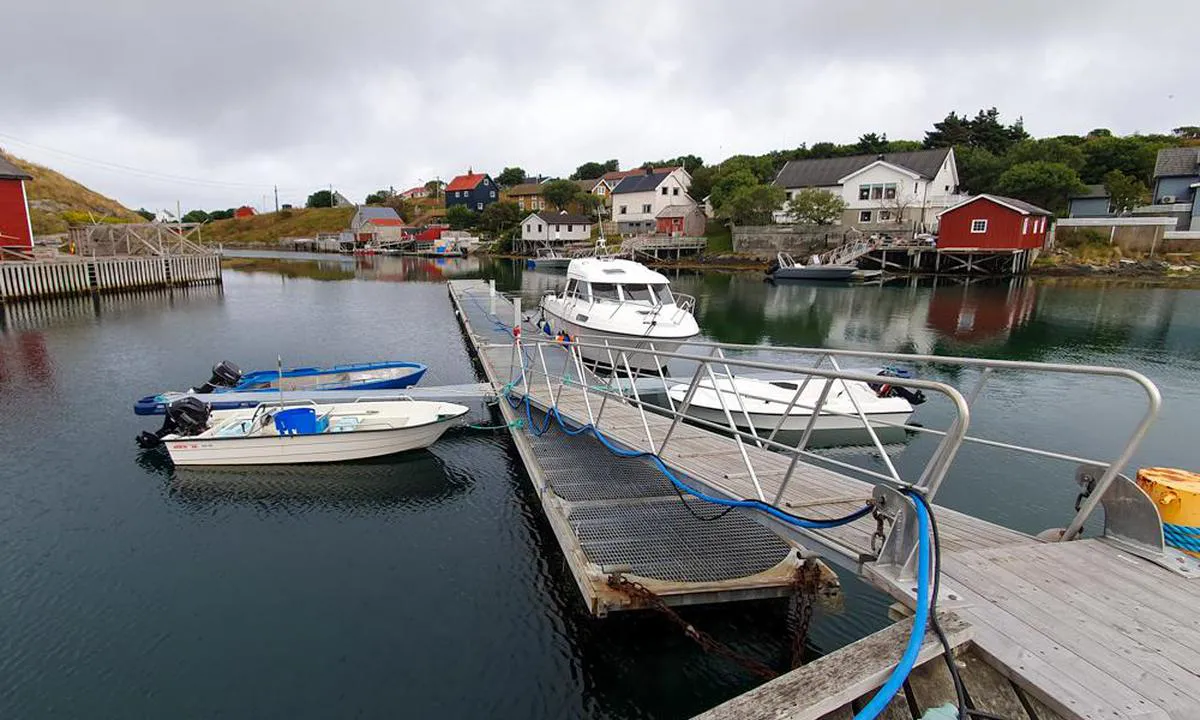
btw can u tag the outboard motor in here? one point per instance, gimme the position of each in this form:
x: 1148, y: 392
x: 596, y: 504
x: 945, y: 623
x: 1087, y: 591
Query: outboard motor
x: 886, y: 389
x: 186, y: 416
x: 224, y: 375
x: 773, y: 267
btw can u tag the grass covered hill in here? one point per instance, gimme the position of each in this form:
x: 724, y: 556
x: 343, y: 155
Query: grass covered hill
x: 268, y: 228
x: 56, y: 201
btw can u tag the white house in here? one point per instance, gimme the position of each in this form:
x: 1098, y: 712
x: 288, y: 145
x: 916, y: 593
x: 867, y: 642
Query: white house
x: 637, y: 199
x: 898, y: 192
x: 545, y: 228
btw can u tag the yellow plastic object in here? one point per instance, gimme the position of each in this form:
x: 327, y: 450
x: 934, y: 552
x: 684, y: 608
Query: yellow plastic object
x: 1176, y: 494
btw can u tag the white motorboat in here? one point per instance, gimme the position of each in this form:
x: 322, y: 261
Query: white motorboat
x: 624, y: 304
x: 786, y: 268
x: 548, y: 258
x: 765, y: 401
x: 273, y: 434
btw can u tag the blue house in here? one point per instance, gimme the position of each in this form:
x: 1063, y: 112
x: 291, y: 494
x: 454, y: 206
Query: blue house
x: 1176, y: 181
x: 1092, y: 202
x: 473, y: 190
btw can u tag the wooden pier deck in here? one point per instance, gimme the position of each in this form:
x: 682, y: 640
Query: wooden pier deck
x: 69, y: 275
x: 1084, y: 629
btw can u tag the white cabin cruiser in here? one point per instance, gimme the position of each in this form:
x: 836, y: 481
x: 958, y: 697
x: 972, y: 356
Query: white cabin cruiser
x: 765, y: 401
x: 624, y: 304
x: 273, y: 434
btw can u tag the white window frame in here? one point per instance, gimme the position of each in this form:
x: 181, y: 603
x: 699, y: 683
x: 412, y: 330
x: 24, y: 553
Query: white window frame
x: 570, y: 228
x: 647, y: 208
x: 1025, y: 225
x: 478, y: 206
x: 981, y: 224
x: 885, y: 215
x: 624, y: 210
x: 864, y: 216
x: 864, y: 192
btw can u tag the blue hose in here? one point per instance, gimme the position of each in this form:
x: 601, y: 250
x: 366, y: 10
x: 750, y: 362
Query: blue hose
x: 896, y: 680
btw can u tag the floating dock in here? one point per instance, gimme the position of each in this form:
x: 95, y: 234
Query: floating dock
x: 620, y: 515
x: 1083, y: 629
x: 69, y: 276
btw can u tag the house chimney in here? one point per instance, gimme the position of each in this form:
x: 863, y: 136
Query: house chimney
x: 879, y: 156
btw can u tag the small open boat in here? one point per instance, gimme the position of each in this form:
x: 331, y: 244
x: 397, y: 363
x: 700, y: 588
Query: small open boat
x: 548, y: 258
x: 765, y: 401
x: 226, y: 377
x: 273, y: 434
x: 786, y: 268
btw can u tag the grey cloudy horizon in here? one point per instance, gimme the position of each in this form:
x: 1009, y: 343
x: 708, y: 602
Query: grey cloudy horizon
x: 367, y: 95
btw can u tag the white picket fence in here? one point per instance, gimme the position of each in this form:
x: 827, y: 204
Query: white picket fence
x: 57, y: 278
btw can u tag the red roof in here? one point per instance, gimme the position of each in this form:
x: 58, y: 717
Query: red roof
x: 387, y: 222
x: 414, y: 190
x: 465, y: 182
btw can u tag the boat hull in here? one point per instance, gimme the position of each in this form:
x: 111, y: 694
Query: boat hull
x: 796, y: 422
x: 829, y: 273
x: 639, y: 351
x: 302, y: 449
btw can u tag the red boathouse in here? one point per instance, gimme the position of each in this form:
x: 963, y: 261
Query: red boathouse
x: 16, y: 233
x: 993, y: 222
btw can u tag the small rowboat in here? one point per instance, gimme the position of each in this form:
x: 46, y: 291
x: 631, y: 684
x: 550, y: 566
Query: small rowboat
x: 273, y: 434
x: 226, y: 377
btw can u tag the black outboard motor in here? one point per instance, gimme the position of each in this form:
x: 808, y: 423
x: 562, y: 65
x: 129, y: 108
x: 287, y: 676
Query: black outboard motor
x: 772, y: 267
x: 886, y: 389
x: 186, y: 416
x: 224, y: 375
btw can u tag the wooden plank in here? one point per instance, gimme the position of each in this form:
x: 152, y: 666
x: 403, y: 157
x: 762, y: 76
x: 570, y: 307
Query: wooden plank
x: 931, y: 686
x: 988, y: 690
x: 1117, y: 658
x: 842, y: 713
x: 835, y: 680
x: 1041, y: 711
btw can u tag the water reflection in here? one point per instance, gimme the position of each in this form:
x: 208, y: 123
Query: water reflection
x: 411, y: 480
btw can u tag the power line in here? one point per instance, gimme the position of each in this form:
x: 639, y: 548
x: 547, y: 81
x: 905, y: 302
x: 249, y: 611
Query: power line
x: 139, y: 172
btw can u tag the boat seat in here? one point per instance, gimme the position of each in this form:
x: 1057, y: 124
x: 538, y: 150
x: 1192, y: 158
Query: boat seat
x: 300, y: 421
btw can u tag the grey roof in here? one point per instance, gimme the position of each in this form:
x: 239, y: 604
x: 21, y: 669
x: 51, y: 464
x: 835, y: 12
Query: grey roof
x: 640, y: 183
x: 366, y: 212
x: 674, y: 211
x: 1092, y: 191
x: 1027, y: 208
x: 8, y: 171
x: 1177, y: 161
x: 564, y: 219
x: 823, y: 172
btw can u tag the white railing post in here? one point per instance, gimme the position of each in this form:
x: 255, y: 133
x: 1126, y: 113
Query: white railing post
x: 638, y: 400
x: 887, y: 460
x: 800, y: 446
x: 741, y: 446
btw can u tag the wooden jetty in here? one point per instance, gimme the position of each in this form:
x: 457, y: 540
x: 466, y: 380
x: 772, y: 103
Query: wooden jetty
x: 1104, y: 627
x: 66, y: 276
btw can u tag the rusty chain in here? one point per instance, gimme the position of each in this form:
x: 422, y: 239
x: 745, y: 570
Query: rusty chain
x: 644, y: 597
x: 805, y: 582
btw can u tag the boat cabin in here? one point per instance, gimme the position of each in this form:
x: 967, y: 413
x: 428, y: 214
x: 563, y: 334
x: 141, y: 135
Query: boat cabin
x: 616, y: 281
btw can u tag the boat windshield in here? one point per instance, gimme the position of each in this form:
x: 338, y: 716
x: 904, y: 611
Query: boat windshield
x: 643, y: 294
x: 605, y: 291
x: 664, y: 294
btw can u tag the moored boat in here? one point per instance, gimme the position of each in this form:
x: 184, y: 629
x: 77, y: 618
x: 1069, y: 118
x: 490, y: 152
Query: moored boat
x: 549, y: 259
x: 625, y: 305
x: 786, y: 268
x: 226, y: 377
x: 762, y: 404
x: 272, y: 433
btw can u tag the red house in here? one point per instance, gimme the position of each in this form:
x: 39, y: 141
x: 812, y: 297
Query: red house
x: 992, y: 222
x: 15, y: 231
x: 244, y: 212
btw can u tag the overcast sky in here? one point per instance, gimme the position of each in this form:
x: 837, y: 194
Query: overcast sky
x: 244, y: 95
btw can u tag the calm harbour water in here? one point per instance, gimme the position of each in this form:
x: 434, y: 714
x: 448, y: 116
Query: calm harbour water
x: 429, y: 584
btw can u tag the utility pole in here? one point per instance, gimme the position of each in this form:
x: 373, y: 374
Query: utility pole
x: 331, y: 203
x: 276, y: 198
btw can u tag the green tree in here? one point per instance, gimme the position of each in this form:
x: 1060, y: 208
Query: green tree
x: 978, y: 169
x: 761, y: 166
x: 1125, y: 192
x: 872, y: 144
x: 435, y: 187
x: 816, y: 207
x: 589, y: 204
x: 754, y: 204
x: 379, y: 197
x: 460, y: 217
x: 499, y: 217
x: 226, y: 214
x: 689, y: 163
x: 702, y: 180
x: 951, y: 131
x: 1187, y: 132
x: 895, y: 146
x: 593, y: 170
x: 1050, y: 150
x: 196, y: 216
x: 1045, y: 184
x: 560, y: 193
x: 730, y: 178
x: 1100, y: 132
x: 1132, y: 155
x: 404, y: 207
x: 146, y: 214
x: 510, y: 176
x: 989, y: 133
x: 320, y: 199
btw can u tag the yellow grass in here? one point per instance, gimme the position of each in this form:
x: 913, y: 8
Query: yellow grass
x: 268, y: 228
x: 68, y: 201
